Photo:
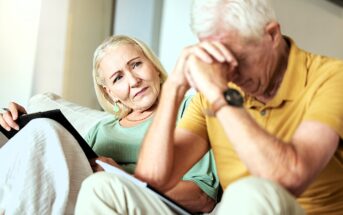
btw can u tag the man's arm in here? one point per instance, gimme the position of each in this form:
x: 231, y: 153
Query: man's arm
x: 166, y: 154
x: 294, y: 164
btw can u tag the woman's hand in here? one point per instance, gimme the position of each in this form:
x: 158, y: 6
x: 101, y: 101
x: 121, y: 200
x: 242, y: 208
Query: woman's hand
x: 97, y: 168
x: 11, y: 114
x: 189, y: 195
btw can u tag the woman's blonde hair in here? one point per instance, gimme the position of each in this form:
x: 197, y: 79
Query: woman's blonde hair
x: 114, y: 41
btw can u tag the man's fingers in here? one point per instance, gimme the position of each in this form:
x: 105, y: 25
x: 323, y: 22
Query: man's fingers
x: 214, y: 51
x: 201, y: 53
x: 228, y: 56
x: 209, y: 51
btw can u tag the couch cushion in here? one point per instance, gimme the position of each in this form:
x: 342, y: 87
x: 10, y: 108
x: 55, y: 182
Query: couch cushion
x: 82, y: 118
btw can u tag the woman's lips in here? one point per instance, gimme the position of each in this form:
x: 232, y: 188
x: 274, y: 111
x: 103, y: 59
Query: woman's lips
x: 140, y: 92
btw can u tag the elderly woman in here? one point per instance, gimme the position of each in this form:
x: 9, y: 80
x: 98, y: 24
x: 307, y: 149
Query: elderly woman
x: 127, y: 79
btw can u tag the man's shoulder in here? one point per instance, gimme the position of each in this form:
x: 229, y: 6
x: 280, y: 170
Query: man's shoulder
x: 324, y: 67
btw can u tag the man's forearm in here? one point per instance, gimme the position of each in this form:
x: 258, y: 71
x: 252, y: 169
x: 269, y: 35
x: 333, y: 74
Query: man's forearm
x: 263, y: 154
x: 156, y: 158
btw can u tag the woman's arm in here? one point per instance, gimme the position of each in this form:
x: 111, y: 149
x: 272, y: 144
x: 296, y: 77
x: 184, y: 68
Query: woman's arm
x: 189, y: 195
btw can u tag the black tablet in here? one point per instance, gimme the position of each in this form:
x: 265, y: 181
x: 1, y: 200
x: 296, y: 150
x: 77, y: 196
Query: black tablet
x: 58, y: 116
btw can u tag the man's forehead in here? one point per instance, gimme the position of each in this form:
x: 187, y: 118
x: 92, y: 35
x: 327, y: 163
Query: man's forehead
x: 215, y: 37
x: 223, y: 36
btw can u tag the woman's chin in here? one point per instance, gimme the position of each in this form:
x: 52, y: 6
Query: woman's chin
x: 145, y: 107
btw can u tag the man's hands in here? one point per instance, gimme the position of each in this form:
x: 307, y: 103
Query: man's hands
x: 8, y: 118
x: 209, y: 79
x: 207, y: 67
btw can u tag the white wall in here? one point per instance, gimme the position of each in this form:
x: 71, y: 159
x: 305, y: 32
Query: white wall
x: 175, y: 31
x: 316, y: 25
x: 140, y: 19
x: 50, y: 50
x: 89, y: 23
x: 67, y: 41
x: 47, y: 45
x: 19, y: 20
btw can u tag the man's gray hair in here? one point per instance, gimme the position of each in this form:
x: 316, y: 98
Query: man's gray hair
x: 248, y: 17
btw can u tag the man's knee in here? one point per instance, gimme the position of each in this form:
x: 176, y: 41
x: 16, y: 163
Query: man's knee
x: 251, y: 186
x: 249, y: 190
x: 259, y: 195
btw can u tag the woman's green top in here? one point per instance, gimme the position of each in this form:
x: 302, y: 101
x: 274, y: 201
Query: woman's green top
x: 108, y: 138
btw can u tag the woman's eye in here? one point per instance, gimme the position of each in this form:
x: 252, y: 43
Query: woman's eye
x: 136, y: 64
x: 117, y: 78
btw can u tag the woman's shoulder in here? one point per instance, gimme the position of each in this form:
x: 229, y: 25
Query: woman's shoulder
x: 185, y: 102
x: 104, y: 123
x: 110, y: 120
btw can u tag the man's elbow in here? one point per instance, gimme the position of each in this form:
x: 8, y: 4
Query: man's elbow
x: 296, y: 188
x: 296, y: 182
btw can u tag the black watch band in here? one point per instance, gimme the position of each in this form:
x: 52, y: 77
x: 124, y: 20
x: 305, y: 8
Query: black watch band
x: 230, y: 97
x: 233, y: 97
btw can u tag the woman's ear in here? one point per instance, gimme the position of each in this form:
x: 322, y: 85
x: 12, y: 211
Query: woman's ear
x: 108, y: 92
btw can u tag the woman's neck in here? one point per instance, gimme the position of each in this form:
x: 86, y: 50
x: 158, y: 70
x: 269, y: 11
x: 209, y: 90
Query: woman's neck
x: 137, y: 117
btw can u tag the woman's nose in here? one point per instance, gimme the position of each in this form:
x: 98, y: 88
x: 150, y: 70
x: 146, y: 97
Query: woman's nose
x: 133, y: 80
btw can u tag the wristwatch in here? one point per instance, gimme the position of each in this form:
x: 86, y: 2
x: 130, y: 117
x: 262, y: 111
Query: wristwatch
x: 230, y: 97
x: 233, y: 97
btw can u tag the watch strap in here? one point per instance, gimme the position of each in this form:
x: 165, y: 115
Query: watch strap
x: 231, y: 97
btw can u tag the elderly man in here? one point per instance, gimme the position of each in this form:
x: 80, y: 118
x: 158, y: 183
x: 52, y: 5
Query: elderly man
x: 271, y: 112
x: 268, y: 109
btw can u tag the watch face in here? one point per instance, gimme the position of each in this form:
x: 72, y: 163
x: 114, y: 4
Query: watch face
x: 233, y: 97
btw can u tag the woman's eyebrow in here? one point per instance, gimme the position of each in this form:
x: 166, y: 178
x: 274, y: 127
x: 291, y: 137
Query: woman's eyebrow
x: 135, y: 58
x: 128, y: 63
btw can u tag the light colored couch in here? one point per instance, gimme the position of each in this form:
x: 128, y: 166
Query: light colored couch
x: 82, y: 118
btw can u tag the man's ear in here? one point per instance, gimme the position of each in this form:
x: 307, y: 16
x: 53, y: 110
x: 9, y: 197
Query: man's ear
x: 273, y: 31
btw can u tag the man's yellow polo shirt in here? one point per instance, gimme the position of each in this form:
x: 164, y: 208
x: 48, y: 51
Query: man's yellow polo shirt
x: 312, y: 89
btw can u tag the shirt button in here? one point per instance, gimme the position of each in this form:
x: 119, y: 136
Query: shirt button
x: 263, y: 112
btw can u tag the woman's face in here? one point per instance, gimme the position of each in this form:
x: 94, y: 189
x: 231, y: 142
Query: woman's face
x: 130, y: 77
